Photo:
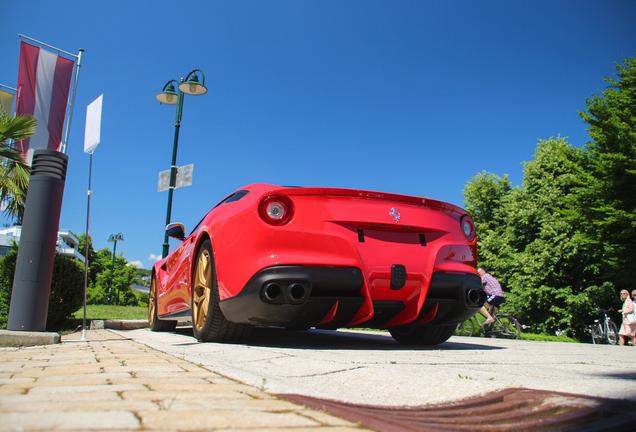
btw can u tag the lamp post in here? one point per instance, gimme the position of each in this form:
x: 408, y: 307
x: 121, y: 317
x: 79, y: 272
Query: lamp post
x: 113, y: 238
x: 168, y: 95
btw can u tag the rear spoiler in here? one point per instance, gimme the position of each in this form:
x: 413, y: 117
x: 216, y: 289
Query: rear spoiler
x: 376, y: 195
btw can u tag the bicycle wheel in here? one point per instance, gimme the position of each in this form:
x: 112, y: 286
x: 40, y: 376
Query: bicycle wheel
x: 612, y: 333
x: 465, y: 328
x: 597, y: 334
x: 507, y: 326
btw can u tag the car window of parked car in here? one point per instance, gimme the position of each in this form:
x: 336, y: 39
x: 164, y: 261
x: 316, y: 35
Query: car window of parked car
x: 234, y: 197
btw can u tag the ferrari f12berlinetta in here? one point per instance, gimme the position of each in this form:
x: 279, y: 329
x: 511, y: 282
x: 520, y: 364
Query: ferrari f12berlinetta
x: 301, y: 257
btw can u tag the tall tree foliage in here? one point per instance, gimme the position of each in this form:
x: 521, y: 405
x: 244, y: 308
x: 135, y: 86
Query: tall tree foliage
x: 561, y: 242
x: 532, y: 248
x: 606, y: 196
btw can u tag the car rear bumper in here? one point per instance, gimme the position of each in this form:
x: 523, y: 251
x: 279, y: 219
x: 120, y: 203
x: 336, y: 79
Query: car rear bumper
x: 327, y: 297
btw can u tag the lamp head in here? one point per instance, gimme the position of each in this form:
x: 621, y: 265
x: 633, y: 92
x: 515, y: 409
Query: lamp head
x: 168, y: 95
x: 192, y: 86
x: 116, y: 237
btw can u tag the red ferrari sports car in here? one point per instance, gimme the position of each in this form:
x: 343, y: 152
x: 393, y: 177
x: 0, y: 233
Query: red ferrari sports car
x: 329, y: 258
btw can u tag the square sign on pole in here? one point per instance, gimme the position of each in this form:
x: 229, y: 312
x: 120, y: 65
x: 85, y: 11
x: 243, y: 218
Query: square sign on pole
x: 184, y: 178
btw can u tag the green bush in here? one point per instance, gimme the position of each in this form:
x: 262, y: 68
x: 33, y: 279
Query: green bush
x: 7, y: 268
x: 67, y: 289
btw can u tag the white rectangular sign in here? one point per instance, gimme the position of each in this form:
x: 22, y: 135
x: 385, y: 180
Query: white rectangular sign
x: 93, y: 129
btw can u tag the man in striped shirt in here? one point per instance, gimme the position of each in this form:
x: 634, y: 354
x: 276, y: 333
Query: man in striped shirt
x: 495, y: 295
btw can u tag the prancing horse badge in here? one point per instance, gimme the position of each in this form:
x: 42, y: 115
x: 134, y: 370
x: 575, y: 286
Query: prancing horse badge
x: 395, y: 214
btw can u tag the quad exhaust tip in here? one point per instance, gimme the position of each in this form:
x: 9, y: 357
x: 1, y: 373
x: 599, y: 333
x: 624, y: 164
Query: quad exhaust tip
x: 475, y: 297
x: 272, y: 292
x: 295, y: 293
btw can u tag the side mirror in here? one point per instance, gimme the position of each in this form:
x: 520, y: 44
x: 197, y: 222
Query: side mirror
x: 176, y: 231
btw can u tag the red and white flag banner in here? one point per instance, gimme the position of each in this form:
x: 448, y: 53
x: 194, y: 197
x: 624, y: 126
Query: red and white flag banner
x: 44, y: 82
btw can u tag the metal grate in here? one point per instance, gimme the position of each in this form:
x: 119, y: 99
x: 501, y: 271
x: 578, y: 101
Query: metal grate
x: 506, y: 410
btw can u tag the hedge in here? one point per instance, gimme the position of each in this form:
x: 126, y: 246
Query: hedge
x: 67, y: 289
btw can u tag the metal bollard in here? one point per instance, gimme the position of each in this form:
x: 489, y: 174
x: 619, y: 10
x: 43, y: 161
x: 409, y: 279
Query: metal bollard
x: 34, y: 265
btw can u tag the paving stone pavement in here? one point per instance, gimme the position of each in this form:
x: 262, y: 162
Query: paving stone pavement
x: 110, y: 383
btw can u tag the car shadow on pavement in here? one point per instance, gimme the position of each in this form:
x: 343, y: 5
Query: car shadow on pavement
x: 317, y: 339
x: 625, y: 376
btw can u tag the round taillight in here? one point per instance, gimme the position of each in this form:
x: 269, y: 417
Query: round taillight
x: 468, y: 228
x: 276, y: 210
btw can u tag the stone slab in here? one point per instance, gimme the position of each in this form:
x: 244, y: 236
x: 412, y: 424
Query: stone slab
x: 13, y: 338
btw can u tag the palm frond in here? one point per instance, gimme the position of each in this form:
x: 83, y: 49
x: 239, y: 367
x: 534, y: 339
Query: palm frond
x: 16, y: 127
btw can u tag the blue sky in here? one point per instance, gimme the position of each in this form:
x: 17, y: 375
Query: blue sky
x: 409, y: 97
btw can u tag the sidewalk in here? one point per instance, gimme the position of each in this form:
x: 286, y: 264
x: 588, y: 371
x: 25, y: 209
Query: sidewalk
x: 114, y: 384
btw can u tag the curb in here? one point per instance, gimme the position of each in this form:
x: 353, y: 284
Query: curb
x: 118, y: 324
x: 11, y: 338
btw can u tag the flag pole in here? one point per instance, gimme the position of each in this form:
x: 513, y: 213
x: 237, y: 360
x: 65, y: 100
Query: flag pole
x: 72, y: 101
x: 88, y: 218
x: 91, y: 141
x: 49, y: 46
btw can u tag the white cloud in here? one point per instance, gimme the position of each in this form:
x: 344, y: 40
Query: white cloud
x: 154, y: 257
x: 137, y: 264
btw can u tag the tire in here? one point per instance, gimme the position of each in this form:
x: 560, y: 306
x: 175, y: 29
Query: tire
x: 155, y: 323
x: 465, y: 328
x: 612, y: 333
x: 208, y: 322
x: 507, y: 327
x: 597, y: 335
x: 428, y: 335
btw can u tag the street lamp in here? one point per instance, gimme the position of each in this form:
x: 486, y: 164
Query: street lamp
x: 114, y: 238
x: 168, y: 95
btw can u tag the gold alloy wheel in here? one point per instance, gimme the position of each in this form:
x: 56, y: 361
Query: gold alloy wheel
x: 151, y: 302
x: 202, y: 289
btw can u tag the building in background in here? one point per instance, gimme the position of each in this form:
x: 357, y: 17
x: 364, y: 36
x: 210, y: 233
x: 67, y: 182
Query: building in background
x: 67, y: 243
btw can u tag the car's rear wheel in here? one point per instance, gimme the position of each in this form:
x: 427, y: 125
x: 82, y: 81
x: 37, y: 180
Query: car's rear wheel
x: 425, y: 335
x: 208, y: 322
x: 155, y: 323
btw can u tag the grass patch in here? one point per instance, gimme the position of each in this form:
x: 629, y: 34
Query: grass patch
x: 548, y: 338
x: 101, y: 312
x: 111, y: 312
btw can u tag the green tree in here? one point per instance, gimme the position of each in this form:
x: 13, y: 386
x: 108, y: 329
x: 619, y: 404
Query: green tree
x: 532, y: 248
x: 123, y: 277
x: 606, y: 193
x: 14, y: 181
x: 554, y: 277
x: 95, y: 266
x: 486, y: 191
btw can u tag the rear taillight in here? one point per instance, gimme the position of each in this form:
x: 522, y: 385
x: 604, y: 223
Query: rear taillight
x: 468, y: 227
x: 276, y: 209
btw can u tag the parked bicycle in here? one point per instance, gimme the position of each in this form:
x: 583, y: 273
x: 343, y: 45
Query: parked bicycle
x: 604, y: 331
x: 505, y: 326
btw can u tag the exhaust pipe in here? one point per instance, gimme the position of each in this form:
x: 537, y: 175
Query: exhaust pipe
x: 473, y: 296
x: 272, y: 292
x: 296, y: 292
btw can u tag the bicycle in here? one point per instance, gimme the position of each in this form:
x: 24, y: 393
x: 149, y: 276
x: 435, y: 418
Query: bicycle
x: 505, y: 326
x: 604, y: 331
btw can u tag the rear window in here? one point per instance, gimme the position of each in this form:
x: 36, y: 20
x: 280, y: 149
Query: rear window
x: 234, y: 197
